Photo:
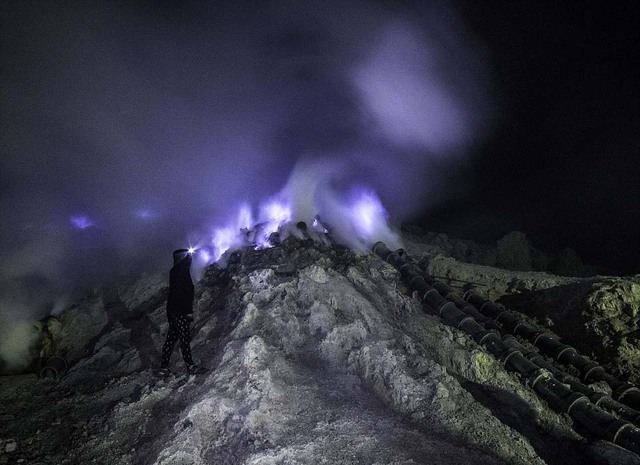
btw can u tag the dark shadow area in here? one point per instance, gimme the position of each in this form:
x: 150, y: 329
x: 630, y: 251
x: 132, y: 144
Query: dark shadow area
x: 140, y: 337
x: 116, y: 310
x: 517, y: 414
x: 598, y: 317
x: 142, y: 328
x: 159, y: 425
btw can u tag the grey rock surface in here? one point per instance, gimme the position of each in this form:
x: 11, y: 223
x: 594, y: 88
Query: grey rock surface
x: 513, y: 252
x: 77, y: 326
x: 490, y: 281
x: 600, y: 317
x: 315, y: 355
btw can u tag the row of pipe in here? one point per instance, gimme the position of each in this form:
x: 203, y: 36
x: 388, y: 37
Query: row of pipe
x: 464, y: 316
x: 550, y: 346
x: 623, y: 402
x: 598, y: 398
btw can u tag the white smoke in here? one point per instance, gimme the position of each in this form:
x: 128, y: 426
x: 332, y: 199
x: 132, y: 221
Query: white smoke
x: 17, y: 334
x: 345, y: 104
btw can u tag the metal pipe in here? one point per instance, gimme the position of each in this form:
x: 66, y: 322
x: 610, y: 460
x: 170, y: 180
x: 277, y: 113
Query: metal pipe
x: 463, y: 305
x: 381, y: 250
x: 593, y: 418
x: 623, y: 392
x: 55, y: 368
x: 549, y: 345
x: 598, y: 398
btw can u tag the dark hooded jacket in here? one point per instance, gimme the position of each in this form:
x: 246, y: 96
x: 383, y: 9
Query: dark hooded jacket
x: 180, y: 299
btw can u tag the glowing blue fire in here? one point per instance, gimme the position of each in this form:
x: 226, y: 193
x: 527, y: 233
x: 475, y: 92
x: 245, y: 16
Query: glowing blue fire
x: 358, y: 222
x: 368, y: 214
x: 145, y: 214
x: 204, y: 255
x: 318, y: 226
x: 245, y: 217
x: 275, y: 215
x: 231, y: 236
x: 81, y: 222
x: 278, y: 213
x: 222, y: 241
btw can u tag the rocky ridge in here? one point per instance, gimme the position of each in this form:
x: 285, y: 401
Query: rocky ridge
x: 316, y: 355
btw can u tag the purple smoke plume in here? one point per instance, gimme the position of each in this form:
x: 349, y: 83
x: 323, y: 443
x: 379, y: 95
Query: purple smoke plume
x: 180, y: 125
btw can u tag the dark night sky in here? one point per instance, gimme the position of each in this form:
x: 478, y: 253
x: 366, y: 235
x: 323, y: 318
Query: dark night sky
x: 563, y: 162
x: 155, y: 119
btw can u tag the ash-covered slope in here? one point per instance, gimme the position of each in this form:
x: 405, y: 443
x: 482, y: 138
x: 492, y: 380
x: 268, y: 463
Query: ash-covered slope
x: 316, y: 355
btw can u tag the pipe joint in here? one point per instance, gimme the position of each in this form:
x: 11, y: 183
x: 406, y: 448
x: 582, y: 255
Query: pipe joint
x: 597, y: 397
x: 573, y: 399
x: 464, y: 320
x: 55, y: 368
x: 590, y: 370
x: 626, y: 390
x: 445, y: 305
x: 617, y: 428
x: 510, y: 352
x: 563, y: 349
x: 539, y: 375
x: 381, y: 250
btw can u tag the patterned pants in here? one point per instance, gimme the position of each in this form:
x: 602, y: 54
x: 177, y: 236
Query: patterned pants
x: 178, y: 329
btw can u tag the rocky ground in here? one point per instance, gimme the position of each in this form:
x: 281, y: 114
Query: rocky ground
x: 600, y: 317
x: 315, y: 355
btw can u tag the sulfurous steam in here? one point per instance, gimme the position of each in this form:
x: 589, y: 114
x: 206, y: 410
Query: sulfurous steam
x: 134, y: 131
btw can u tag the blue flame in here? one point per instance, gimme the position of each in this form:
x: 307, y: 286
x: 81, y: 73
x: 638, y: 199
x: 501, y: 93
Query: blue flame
x: 367, y: 214
x: 81, y: 222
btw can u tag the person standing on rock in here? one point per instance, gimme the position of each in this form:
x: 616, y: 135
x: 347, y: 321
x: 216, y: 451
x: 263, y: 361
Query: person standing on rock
x: 180, y: 312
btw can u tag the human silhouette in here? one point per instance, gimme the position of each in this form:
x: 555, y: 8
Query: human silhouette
x: 180, y: 312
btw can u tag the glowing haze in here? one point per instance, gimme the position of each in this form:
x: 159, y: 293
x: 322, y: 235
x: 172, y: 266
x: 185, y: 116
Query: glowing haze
x: 128, y: 131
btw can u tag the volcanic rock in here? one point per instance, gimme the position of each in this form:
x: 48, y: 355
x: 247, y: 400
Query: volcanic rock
x: 600, y: 317
x: 315, y: 355
x: 513, y: 252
